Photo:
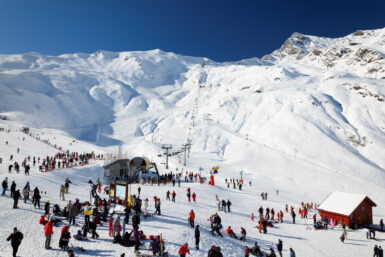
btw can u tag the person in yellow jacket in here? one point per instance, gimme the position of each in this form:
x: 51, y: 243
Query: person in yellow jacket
x: 129, y: 200
x: 87, y: 212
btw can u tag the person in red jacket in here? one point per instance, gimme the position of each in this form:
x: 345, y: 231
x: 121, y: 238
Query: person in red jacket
x: 194, y: 196
x: 183, y: 250
x: 48, y: 231
x: 42, y: 220
x: 64, y: 237
x: 155, y: 200
x: 64, y: 230
x: 247, y: 251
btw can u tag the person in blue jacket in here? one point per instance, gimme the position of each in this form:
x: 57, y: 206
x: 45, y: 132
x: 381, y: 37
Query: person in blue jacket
x: 326, y: 222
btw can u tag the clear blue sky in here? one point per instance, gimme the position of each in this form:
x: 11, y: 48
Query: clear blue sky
x: 217, y: 29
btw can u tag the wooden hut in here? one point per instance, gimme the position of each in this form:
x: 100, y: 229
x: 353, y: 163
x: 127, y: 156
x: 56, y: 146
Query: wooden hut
x: 348, y: 208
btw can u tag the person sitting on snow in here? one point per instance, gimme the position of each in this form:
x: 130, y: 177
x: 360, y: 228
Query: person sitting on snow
x: 56, y: 209
x: 118, y: 238
x: 256, y: 250
x: 42, y: 220
x: 79, y: 236
x: 231, y: 233
x: 54, y: 219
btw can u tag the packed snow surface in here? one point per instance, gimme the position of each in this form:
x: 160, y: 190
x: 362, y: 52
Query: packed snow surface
x: 292, y: 189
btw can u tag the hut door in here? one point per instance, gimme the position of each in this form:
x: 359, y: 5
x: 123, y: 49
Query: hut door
x: 363, y: 218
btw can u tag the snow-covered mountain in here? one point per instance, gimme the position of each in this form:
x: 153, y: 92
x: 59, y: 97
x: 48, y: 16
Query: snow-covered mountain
x: 315, y: 99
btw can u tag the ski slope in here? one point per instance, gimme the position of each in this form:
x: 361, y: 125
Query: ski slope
x: 296, y: 179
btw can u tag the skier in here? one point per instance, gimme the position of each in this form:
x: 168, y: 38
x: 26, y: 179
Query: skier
x: 136, y: 238
x: 67, y: 185
x: 15, y: 239
x: 155, y: 245
x: 26, y: 169
x: 260, y: 210
x: 116, y: 225
x: 217, y: 225
x: 376, y: 251
x: 110, y: 227
x: 326, y: 222
x: 145, y: 204
x: 62, y: 192
x: 215, y: 251
x: 228, y: 205
x: 183, y: 250
x: 224, y: 204
x: 10, y: 168
x: 197, y: 236
x: 136, y: 220
x: 13, y: 188
x: 264, y: 226
x: 92, y: 226
x: 72, y: 213
x: 247, y: 251
x: 25, y: 194
x: 243, y: 233
x: 47, y: 207
x: 16, y: 196
x: 48, y: 231
x: 139, y: 189
x: 293, y: 215
x: 191, y: 218
x: 194, y: 197
x: 173, y: 196
x: 267, y: 213
x: 168, y: 195
x: 87, y: 212
x: 272, y: 253
x: 188, y: 196
x: 157, y: 207
x: 292, y: 253
x: 4, y: 185
x: 64, y: 238
x: 279, y: 247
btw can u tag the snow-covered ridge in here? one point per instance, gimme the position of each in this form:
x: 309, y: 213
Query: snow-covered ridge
x: 315, y: 98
